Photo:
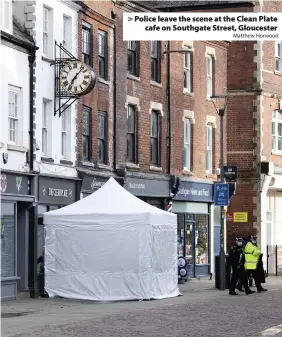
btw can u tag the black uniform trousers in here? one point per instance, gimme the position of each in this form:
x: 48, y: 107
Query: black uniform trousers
x: 256, y: 277
x: 239, y: 274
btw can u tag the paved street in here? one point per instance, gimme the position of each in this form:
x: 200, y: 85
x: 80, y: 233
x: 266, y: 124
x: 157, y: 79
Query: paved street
x: 202, y: 311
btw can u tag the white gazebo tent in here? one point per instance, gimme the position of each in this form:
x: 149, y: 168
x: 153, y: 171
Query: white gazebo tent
x: 111, y: 246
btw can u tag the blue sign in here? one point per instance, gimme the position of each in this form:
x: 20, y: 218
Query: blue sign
x: 194, y: 191
x: 221, y: 194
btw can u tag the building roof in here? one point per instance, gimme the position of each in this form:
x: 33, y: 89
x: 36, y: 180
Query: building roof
x: 160, y: 4
x: 20, y: 32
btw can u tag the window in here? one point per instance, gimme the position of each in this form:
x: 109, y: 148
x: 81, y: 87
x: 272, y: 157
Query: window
x: 102, y: 36
x: 47, y: 38
x: 6, y: 18
x: 155, y: 138
x: 86, y: 134
x: 45, y: 129
x: 277, y: 131
x: 209, y: 61
x: 188, y: 72
x: 187, y: 144
x: 65, y: 133
x: 8, y: 239
x: 155, y: 61
x: 67, y: 33
x: 131, y: 134
x: 132, y: 57
x: 14, y: 114
x: 102, y: 140
x: 209, y: 146
x: 86, y: 43
x: 278, y: 56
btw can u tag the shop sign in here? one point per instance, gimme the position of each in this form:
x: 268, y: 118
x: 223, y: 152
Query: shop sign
x: 56, y: 191
x: 13, y: 183
x: 91, y: 183
x: 147, y: 187
x: 230, y: 173
x: 192, y: 191
x: 229, y: 217
x: 240, y: 216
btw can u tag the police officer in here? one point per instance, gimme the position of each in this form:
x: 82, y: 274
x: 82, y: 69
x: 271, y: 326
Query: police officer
x: 252, y: 257
x: 237, y: 261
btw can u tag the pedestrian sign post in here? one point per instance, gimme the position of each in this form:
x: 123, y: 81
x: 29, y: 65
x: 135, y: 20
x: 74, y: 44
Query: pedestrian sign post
x: 221, y: 194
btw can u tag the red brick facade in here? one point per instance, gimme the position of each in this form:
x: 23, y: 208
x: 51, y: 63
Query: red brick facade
x: 148, y: 93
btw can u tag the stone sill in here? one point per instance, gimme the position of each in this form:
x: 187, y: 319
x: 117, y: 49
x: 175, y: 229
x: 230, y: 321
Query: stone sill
x: 277, y: 73
x: 156, y: 84
x: 103, y: 81
x: 104, y: 166
x: 132, y: 166
x: 210, y: 175
x: 133, y: 78
x: 17, y: 148
x: 87, y: 163
x: 187, y: 93
x: 276, y: 153
x: 156, y: 168
x: 66, y: 162
x: 187, y: 172
x: 47, y: 160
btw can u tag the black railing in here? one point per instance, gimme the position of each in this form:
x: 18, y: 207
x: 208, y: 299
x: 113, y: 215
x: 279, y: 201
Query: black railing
x: 274, y: 260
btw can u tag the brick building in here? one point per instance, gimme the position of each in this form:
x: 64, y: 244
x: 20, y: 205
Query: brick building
x: 254, y: 135
x: 95, y: 118
x: 151, y: 94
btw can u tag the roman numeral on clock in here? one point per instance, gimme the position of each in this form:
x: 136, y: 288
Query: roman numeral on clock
x: 85, y: 82
x: 87, y: 76
x: 65, y: 83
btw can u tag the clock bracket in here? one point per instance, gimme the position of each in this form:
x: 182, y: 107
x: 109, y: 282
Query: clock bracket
x: 62, y: 98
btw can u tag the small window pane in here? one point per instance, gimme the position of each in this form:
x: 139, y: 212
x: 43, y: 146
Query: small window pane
x: 85, y: 122
x: 279, y: 129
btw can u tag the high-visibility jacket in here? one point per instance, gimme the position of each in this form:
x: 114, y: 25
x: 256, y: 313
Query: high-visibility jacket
x: 252, y: 254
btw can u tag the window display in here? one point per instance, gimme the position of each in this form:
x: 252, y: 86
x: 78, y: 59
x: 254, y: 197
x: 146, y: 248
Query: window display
x: 8, y: 239
x: 193, y: 238
x: 201, y: 239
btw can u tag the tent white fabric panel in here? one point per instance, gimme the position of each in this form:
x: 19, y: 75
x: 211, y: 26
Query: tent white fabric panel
x: 114, y: 256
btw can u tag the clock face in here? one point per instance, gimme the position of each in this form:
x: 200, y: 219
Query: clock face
x: 77, y: 78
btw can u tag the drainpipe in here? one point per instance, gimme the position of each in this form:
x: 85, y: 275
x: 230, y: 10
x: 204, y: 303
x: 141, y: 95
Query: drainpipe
x: 168, y: 96
x: 31, y: 60
x: 114, y: 104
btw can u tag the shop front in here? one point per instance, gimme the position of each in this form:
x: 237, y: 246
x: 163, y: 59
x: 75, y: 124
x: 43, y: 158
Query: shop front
x: 91, y: 183
x: 153, y: 191
x: 17, y: 200
x: 193, y: 206
x: 53, y: 193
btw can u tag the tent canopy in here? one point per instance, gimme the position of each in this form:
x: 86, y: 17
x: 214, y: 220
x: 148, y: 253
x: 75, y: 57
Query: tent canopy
x: 111, y: 246
x: 109, y: 203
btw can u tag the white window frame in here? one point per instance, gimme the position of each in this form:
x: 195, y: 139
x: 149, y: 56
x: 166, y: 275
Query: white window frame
x: 45, y: 28
x: 67, y: 32
x: 187, y: 60
x: 65, y: 133
x: 14, y: 114
x: 209, y: 148
x: 6, y: 16
x: 278, y: 58
x: 276, y: 120
x: 45, y: 128
x: 209, y: 73
x: 187, y: 144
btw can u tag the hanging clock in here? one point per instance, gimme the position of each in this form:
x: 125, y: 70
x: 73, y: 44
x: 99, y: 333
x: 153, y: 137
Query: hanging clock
x: 77, y: 78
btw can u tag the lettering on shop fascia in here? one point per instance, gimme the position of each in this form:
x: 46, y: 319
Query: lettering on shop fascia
x: 96, y: 184
x: 137, y: 186
x: 57, y: 192
x: 194, y: 191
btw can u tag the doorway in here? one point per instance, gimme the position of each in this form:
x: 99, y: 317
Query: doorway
x: 193, y: 243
